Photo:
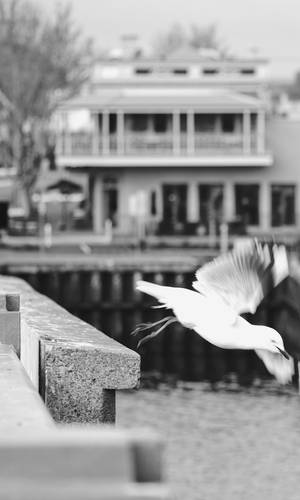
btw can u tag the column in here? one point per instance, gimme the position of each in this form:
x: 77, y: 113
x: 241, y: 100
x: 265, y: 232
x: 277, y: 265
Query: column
x: 264, y: 206
x: 246, y: 133
x: 261, y: 131
x: 95, y: 143
x: 68, y: 139
x: 229, y: 201
x: 120, y: 132
x: 193, y: 202
x: 176, y: 133
x: 190, y: 132
x: 105, y: 132
x: 97, y: 204
x: 159, y: 203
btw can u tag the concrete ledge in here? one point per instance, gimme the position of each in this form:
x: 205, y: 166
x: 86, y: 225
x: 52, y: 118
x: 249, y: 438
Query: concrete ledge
x: 78, y: 463
x: 75, y: 367
x: 21, y: 406
x: 78, y: 491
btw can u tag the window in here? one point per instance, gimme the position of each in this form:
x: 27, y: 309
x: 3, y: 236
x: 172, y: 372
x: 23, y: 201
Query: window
x: 283, y: 205
x: 183, y: 122
x: 227, y: 123
x: 153, y: 207
x: 160, y: 123
x: 111, y: 199
x: 112, y: 123
x: 211, y: 206
x: 143, y: 71
x: 204, y: 123
x: 179, y: 71
x: 210, y: 71
x: 247, y: 203
x: 139, y: 123
x: 247, y: 71
x: 174, y: 204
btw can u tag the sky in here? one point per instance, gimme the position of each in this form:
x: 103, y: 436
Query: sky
x: 270, y: 26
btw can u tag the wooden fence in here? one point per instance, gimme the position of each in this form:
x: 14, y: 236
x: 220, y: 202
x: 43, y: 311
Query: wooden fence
x: 106, y: 298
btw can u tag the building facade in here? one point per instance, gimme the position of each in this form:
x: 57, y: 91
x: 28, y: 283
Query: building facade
x: 181, y: 145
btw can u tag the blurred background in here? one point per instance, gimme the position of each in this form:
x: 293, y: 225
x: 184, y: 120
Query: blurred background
x: 141, y: 139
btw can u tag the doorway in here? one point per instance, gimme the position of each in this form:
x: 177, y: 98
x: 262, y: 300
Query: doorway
x: 174, y: 208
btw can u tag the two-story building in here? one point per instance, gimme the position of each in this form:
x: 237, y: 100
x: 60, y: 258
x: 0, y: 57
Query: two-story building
x: 182, y: 144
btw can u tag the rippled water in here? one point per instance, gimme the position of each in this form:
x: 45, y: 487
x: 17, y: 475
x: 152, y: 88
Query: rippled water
x: 223, y: 445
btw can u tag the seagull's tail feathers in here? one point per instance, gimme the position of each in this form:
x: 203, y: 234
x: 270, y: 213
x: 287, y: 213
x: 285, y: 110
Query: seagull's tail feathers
x: 282, y: 368
x: 169, y: 296
x: 157, y: 291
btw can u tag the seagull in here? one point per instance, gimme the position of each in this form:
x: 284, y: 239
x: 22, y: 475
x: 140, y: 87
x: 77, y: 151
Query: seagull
x: 226, y: 287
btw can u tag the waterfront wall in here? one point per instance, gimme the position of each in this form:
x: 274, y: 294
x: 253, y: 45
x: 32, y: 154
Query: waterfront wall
x: 106, y: 298
x: 41, y: 459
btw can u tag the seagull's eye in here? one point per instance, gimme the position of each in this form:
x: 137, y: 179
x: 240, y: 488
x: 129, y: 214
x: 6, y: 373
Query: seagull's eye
x: 273, y: 341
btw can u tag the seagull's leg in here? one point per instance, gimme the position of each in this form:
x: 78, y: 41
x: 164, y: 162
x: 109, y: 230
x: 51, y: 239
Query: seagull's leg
x: 146, y: 326
x: 170, y: 320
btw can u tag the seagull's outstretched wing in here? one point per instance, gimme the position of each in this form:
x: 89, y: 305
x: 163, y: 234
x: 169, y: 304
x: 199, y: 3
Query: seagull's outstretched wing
x: 244, y: 276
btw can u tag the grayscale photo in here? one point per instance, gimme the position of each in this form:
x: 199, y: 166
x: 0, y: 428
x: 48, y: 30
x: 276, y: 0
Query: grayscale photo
x: 149, y: 250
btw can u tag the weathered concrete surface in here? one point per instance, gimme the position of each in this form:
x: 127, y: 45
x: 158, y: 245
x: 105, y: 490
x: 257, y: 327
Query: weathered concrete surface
x: 21, y: 407
x: 75, y: 367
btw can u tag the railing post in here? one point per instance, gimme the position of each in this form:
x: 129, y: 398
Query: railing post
x: 10, y: 320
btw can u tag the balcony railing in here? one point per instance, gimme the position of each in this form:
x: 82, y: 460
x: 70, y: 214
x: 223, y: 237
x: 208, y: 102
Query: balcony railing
x: 151, y: 144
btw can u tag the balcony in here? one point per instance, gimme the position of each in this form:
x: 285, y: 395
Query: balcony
x: 150, y: 148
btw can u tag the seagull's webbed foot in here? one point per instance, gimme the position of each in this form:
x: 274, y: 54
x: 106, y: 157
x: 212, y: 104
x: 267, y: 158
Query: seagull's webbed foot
x: 147, y: 326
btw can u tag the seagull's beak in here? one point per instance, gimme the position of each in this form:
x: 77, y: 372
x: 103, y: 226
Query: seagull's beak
x: 284, y: 353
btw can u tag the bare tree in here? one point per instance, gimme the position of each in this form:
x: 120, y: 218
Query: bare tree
x: 196, y: 37
x: 41, y: 60
x: 167, y: 43
x: 204, y: 37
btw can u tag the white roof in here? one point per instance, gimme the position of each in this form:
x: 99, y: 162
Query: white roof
x: 164, y: 98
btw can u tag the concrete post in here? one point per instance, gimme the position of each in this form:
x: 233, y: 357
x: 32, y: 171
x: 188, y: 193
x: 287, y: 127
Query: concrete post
x: 10, y: 320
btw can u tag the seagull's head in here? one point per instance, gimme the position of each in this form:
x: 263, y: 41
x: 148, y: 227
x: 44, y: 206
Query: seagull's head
x: 270, y: 340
